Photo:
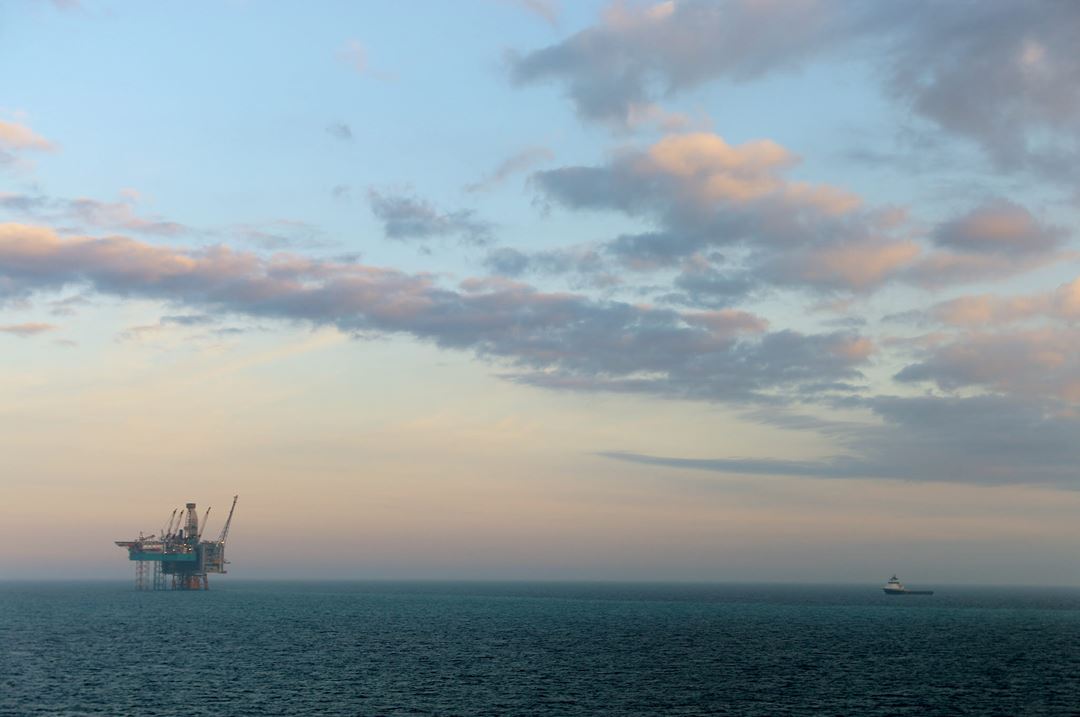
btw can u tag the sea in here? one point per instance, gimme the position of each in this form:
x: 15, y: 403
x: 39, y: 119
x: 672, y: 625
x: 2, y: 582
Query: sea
x: 473, y: 648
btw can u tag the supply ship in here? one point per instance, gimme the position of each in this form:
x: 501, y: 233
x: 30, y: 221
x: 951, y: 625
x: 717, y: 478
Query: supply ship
x: 895, y: 587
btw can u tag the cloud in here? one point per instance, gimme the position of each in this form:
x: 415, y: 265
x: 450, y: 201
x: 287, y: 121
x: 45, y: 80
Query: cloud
x: 546, y: 9
x: 15, y: 136
x: 853, y: 266
x: 979, y: 439
x: 85, y: 213
x: 1040, y: 362
x: 188, y: 320
x: 165, y: 323
x: 730, y: 321
x: 638, y: 53
x: 353, y: 54
x: 989, y: 440
x: 118, y: 215
x: 998, y: 73
x: 644, y: 116
x: 987, y: 310
x: 23, y: 203
x: 700, y: 283
x: 838, y: 467
x: 282, y: 234
x: 66, y: 306
x: 944, y: 268
x: 997, y: 239
x: 731, y: 218
x: 513, y: 263
x: 1000, y: 227
x: 26, y: 330
x: 703, y: 194
x: 546, y: 339
x: 16, y: 140
x: 655, y: 360
x: 339, y: 130
x: 406, y: 217
x: 524, y: 160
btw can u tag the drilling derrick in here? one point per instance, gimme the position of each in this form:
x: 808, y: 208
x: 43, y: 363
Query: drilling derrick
x: 179, y: 557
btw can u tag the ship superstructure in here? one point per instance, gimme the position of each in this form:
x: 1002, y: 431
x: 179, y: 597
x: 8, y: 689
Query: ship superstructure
x: 895, y: 587
x: 178, y: 558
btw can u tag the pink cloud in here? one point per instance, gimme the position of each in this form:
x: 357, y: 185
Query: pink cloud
x: 1040, y: 362
x: 853, y: 265
x: 1000, y: 226
x: 26, y: 330
x: 609, y: 345
x: 354, y: 55
x: 1061, y: 304
x: 16, y: 137
x: 728, y: 322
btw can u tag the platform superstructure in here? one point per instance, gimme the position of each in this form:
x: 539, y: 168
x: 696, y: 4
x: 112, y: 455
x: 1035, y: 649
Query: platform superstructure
x: 178, y: 558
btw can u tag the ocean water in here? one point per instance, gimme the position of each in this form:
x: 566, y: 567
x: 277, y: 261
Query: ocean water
x: 247, y: 648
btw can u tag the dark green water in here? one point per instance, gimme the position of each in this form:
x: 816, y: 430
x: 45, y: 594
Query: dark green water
x: 536, y: 649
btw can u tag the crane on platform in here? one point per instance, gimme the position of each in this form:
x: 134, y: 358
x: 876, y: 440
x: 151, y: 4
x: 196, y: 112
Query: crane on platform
x: 228, y: 522
x: 174, y: 526
x: 168, y: 526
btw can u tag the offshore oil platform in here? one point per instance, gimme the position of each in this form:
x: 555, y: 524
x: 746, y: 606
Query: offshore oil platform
x: 178, y: 558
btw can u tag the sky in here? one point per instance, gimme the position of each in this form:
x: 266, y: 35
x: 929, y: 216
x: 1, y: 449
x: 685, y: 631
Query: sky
x: 741, y: 290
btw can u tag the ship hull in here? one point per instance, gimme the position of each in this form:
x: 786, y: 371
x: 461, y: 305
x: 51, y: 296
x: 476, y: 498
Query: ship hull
x: 888, y: 591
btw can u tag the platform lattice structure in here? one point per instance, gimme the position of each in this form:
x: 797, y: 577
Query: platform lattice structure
x: 178, y: 558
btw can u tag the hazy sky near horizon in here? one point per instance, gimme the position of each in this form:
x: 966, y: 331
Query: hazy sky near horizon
x: 732, y: 290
